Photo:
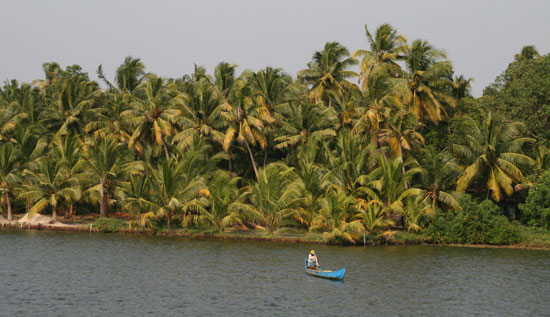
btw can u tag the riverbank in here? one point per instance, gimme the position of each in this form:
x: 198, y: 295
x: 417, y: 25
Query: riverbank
x: 532, y: 239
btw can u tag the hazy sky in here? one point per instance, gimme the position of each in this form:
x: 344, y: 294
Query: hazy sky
x: 480, y: 36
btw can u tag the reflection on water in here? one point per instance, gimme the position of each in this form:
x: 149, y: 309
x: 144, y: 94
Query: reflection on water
x: 45, y: 273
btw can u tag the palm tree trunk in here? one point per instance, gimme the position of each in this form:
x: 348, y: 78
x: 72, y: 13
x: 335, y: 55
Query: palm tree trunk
x: 252, y: 159
x: 265, y: 157
x: 28, y: 206
x: 103, y: 198
x: 7, y: 199
x: 230, y: 162
x: 168, y: 220
x: 165, y: 149
x: 54, y: 214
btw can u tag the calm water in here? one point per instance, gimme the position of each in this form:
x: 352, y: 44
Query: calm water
x: 73, y: 274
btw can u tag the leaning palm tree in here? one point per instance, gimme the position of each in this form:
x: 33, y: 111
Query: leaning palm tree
x: 9, y: 174
x: 52, y: 184
x: 386, y: 48
x: 491, y: 151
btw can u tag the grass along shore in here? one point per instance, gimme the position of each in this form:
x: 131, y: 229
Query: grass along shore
x: 531, y: 238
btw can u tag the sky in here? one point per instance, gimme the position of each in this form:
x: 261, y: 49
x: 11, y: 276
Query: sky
x: 480, y: 37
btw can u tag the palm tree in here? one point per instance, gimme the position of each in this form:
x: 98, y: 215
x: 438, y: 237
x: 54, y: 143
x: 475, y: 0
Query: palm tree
x: 328, y: 71
x: 105, y: 161
x: 66, y: 150
x: 227, y: 201
x: 155, y: 110
x: 201, y: 108
x: 51, y: 185
x: 224, y: 78
x: 176, y: 192
x: 440, y: 173
x: 275, y: 194
x: 112, y: 117
x: 301, y: 121
x: 430, y: 81
x: 246, y: 119
x: 382, y: 100
x: 180, y: 182
x: 9, y: 173
x: 129, y: 75
x: 492, y: 152
x: 386, y: 48
x: 389, y: 183
x: 69, y: 102
x: 19, y: 104
x: 316, y: 178
x: 335, y: 217
x: 373, y: 217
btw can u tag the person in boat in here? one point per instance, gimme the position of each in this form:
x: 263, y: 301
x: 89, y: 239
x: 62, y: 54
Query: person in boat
x: 312, y: 261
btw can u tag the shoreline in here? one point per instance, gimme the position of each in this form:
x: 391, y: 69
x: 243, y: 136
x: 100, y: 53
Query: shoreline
x: 252, y: 237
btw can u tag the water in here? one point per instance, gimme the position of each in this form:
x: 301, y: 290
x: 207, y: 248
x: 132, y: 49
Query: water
x: 78, y: 274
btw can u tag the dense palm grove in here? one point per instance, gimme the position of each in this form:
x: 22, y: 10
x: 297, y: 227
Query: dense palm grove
x: 331, y: 150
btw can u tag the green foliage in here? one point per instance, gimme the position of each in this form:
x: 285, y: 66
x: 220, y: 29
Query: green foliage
x: 106, y: 224
x: 521, y: 92
x: 474, y: 224
x: 536, y: 209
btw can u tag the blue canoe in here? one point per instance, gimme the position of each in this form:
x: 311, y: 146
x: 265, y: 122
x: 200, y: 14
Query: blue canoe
x: 331, y: 275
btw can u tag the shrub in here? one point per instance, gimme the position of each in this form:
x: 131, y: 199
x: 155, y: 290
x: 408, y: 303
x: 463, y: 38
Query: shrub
x: 473, y: 224
x: 535, y: 211
x: 106, y: 224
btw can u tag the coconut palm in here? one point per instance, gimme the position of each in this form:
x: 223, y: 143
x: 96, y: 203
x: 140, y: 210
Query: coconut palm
x: 112, y: 117
x: 491, y: 151
x: 316, y: 178
x: 155, y: 110
x: 224, y: 78
x: 52, y: 184
x: 227, y: 202
x: 66, y: 150
x: 440, y: 173
x: 9, y: 173
x: 430, y: 81
x: 180, y: 182
x: 372, y: 216
x: 301, y: 120
x: 275, y: 194
x: 129, y: 75
x: 68, y: 108
x: 386, y: 48
x: 381, y: 100
x: 104, y: 162
x: 200, y: 108
x: 335, y: 217
x: 389, y: 183
x: 246, y: 119
x: 328, y: 70
x: 19, y: 104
